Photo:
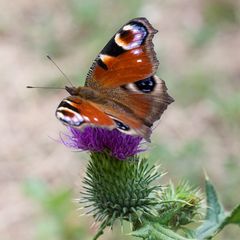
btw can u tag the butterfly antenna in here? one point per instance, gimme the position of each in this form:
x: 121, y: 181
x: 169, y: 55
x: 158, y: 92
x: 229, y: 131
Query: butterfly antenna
x: 60, y: 70
x: 45, y: 87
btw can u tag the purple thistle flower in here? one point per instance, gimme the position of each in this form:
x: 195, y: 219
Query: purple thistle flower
x: 95, y: 139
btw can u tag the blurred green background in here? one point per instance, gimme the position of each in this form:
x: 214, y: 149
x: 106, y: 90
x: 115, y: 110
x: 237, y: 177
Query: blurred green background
x: 198, y: 46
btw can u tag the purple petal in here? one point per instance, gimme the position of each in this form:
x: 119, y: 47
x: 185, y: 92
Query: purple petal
x: 95, y: 139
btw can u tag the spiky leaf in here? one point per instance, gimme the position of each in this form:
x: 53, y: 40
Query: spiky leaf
x: 216, y: 218
x: 234, y: 217
x: 156, y: 231
x: 215, y: 214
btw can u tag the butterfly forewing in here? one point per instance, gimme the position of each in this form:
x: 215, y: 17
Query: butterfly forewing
x: 78, y: 112
x: 127, y: 57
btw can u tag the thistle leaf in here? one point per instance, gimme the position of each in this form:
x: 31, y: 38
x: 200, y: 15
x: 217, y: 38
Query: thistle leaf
x: 234, y: 217
x: 216, y: 218
x: 215, y: 214
x: 156, y: 231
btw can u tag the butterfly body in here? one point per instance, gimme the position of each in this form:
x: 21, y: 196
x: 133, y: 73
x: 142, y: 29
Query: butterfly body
x: 121, y: 89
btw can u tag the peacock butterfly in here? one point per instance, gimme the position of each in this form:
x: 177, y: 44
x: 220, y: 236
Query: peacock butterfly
x: 121, y: 89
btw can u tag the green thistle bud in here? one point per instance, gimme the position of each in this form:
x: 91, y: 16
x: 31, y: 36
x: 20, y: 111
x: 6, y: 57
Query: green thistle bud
x: 179, y: 205
x: 117, y: 189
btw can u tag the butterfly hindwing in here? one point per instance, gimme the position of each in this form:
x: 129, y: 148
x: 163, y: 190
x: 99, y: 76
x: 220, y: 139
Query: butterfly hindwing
x: 148, y: 98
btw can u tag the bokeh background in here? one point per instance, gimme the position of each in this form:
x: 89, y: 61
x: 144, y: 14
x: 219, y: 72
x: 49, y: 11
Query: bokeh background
x: 198, y: 45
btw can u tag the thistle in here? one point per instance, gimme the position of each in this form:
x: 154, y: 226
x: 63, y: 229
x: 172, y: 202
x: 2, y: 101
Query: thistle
x: 120, y: 185
x: 178, y: 206
x: 119, y: 189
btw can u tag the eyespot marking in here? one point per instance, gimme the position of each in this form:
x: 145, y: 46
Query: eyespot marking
x: 68, y: 115
x: 146, y: 85
x: 68, y: 105
x: 131, y: 36
x: 121, y: 126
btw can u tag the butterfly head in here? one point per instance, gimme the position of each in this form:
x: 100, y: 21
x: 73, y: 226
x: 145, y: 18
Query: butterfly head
x: 73, y: 91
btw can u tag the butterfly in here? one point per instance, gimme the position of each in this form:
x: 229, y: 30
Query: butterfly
x: 121, y: 90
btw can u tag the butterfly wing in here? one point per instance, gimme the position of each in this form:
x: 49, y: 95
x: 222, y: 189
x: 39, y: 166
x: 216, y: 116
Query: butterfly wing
x: 124, y: 71
x: 127, y: 57
x: 148, y: 99
x: 78, y: 113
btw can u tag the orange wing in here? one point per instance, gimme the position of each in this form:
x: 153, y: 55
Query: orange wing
x: 78, y: 113
x: 147, y: 98
x: 124, y: 72
x: 127, y: 57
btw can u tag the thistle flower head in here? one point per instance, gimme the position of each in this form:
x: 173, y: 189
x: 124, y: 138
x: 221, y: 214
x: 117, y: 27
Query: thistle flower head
x: 179, y: 205
x: 95, y: 139
x: 118, y: 189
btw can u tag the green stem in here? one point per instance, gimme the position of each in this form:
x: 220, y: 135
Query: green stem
x: 100, y: 231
